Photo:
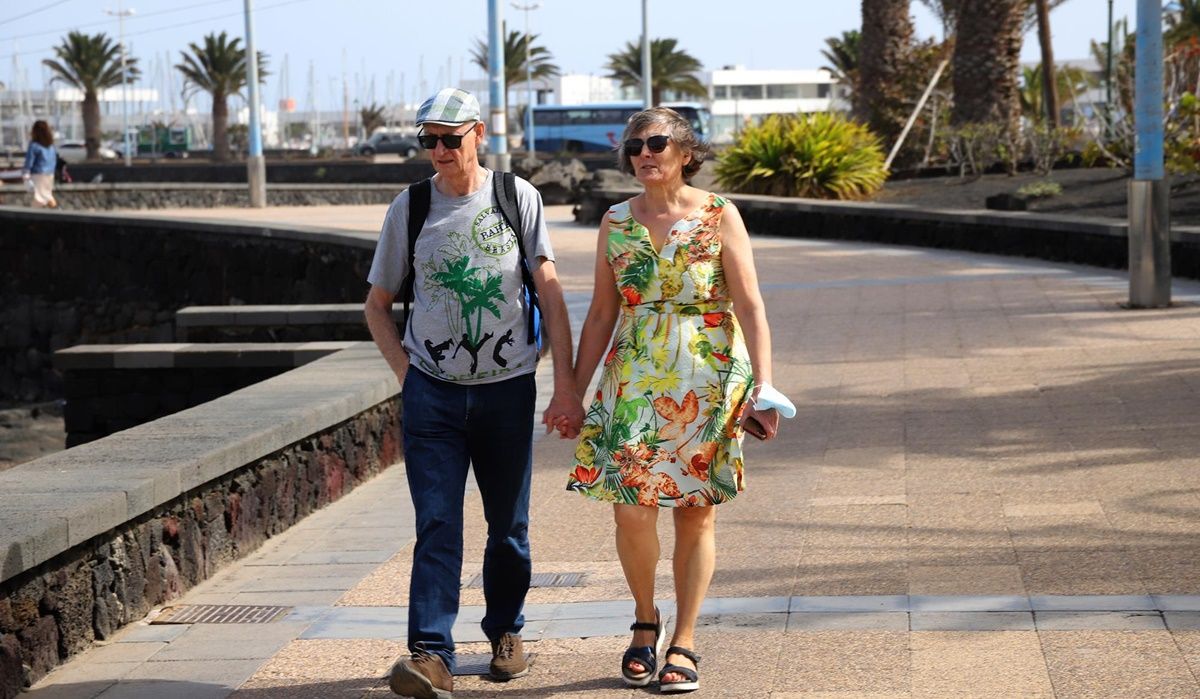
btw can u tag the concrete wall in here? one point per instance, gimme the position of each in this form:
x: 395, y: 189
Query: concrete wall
x: 74, y: 197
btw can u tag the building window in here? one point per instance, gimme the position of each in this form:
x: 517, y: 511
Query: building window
x: 823, y: 90
x: 720, y: 92
x: 783, y: 92
x: 746, y: 92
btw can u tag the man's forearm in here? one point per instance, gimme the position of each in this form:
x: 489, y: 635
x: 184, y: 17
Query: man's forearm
x: 387, y: 339
x: 558, y: 327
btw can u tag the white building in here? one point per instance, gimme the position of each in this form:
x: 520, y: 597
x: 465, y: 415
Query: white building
x: 741, y: 97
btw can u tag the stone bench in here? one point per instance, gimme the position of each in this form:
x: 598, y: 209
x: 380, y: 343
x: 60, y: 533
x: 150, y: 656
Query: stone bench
x: 109, y: 388
x: 274, y: 323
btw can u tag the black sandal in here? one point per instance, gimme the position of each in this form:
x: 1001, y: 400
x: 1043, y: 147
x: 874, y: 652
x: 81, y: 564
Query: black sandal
x: 691, y: 680
x: 646, y: 655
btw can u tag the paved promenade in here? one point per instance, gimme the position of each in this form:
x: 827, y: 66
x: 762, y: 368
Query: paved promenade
x: 992, y: 489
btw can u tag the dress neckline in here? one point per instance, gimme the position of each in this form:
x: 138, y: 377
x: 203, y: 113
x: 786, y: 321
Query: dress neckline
x: 704, y: 204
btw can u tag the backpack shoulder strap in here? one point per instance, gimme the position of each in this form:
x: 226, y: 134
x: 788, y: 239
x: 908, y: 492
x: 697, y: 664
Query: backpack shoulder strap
x: 504, y: 185
x: 418, y: 210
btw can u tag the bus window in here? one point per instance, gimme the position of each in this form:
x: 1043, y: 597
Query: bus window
x: 547, y: 117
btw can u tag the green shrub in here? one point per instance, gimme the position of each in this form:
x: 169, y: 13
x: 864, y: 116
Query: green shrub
x: 1041, y: 190
x: 821, y: 156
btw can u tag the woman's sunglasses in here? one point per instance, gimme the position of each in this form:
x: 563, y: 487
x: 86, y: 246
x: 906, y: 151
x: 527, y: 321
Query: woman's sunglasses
x: 656, y: 144
x: 450, y: 140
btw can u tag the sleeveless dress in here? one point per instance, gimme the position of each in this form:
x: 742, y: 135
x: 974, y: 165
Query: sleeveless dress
x: 663, y: 429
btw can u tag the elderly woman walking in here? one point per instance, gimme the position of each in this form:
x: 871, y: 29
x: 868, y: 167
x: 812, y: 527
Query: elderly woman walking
x: 40, y: 160
x: 692, y: 350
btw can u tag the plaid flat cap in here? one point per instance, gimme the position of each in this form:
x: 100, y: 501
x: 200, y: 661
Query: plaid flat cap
x: 449, y: 107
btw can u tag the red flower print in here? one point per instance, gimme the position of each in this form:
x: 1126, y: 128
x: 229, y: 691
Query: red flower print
x: 586, y: 476
x: 632, y: 297
x: 713, y: 320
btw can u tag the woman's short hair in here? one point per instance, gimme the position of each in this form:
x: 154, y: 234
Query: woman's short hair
x: 681, y: 132
x: 42, y: 133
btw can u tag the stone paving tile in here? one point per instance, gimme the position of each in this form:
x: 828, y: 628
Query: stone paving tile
x: 800, y: 622
x: 1079, y: 573
x: 965, y: 580
x: 1106, y: 621
x: 1117, y: 664
x: 230, y: 641
x: 971, y: 621
x: 325, y: 661
x: 859, y: 662
x: 978, y: 664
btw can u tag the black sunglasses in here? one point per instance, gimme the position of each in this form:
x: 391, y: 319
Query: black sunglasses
x: 656, y: 144
x: 451, y: 140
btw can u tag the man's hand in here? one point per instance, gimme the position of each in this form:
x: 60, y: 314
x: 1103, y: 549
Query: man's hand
x: 565, y: 414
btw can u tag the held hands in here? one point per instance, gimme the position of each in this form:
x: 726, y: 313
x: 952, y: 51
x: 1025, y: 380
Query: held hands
x: 565, y: 414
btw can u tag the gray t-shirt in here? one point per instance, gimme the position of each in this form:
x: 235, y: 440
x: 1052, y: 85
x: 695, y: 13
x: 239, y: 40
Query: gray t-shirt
x: 468, y: 314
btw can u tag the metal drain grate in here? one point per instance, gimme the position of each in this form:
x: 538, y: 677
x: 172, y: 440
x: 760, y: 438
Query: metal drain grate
x: 478, y: 664
x: 539, y: 580
x: 221, y: 614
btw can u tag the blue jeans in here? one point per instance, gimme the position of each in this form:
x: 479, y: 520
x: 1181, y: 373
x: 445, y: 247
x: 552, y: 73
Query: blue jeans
x: 448, y: 427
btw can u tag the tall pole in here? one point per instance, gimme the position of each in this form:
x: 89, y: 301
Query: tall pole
x: 647, y: 92
x: 530, y: 139
x: 498, y: 157
x: 121, y: 14
x: 1108, y: 67
x: 1149, y: 215
x: 256, y: 167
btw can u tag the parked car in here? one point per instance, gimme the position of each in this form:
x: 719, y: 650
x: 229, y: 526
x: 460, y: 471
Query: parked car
x: 381, y: 142
x: 76, y: 151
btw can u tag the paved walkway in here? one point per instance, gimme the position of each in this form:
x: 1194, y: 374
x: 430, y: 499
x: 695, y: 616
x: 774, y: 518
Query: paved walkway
x: 991, y: 490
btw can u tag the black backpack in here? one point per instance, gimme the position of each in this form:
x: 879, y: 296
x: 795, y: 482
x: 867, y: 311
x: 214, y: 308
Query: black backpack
x: 504, y: 189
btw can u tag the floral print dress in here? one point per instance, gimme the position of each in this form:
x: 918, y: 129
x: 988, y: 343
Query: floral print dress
x: 663, y: 430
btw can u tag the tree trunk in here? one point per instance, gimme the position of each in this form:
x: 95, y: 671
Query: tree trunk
x: 986, y: 62
x: 1049, y: 81
x: 220, y: 125
x: 91, y: 124
x: 886, y: 35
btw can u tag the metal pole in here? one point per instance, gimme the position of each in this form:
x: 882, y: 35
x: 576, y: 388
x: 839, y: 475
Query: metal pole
x: 256, y: 168
x: 1108, y: 68
x: 120, y: 15
x: 1149, y: 215
x: 498, y: 158
x: 647, y: 92
x: 530, y: 139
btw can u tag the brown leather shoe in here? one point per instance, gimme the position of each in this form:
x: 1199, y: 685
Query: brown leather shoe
x: 422, y: 676
x: 508, y: 659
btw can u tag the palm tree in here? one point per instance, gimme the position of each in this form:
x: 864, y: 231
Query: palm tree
x: 373, y: 116
x: 986, y: 61
x: 671, y: 69
x: 887, y: 32
x: 1183, y: 21
x: 947, y: 11
x: 1068, y: 81
x: 218, y: 68
x: 540, y: 58
x: 842, y: 55
x: 91, y: 63
x: 1049, y: 84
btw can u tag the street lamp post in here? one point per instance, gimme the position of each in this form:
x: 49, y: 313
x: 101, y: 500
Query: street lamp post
x: 121, y: 14
x: 1149, y: 192
x: 647, y: 93
x: 256, y: 168
x: 498, y: 157
x: 530, y: 140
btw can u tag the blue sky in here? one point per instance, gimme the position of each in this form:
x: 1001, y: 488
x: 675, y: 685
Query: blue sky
x: 396, y: 41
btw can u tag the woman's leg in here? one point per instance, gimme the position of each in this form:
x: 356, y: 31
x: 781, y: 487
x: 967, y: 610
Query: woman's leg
x: 695, y: 557
x: 637, y: 546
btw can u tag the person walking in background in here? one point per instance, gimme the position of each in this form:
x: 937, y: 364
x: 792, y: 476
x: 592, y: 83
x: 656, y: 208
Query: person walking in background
x: 470, y: 248
x: 674, y: 267
x: 40, y: 161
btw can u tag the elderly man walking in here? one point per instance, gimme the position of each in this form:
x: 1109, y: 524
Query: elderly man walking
x: 470, y: 249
